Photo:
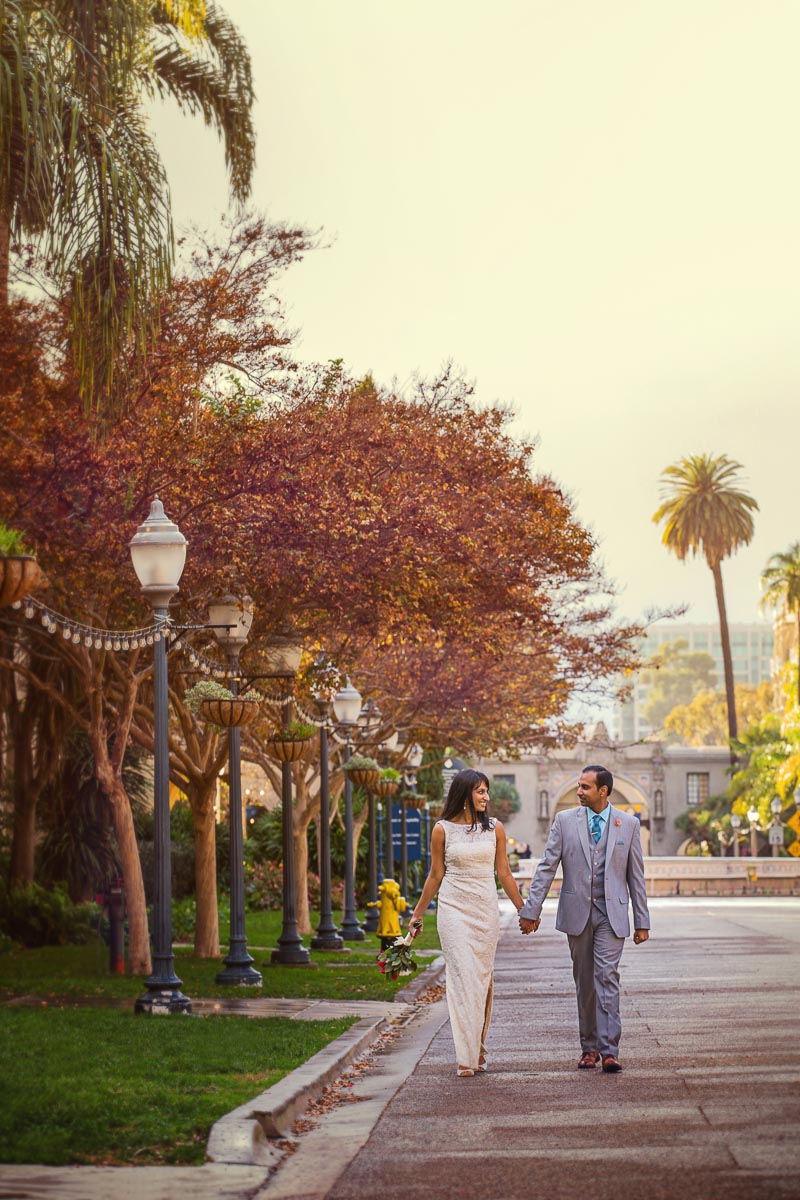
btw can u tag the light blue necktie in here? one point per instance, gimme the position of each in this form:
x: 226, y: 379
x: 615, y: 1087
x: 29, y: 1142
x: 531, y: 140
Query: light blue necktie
x: 594, y: 827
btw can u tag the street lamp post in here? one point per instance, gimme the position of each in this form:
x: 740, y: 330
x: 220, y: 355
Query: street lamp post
x: 368, y: 720
x: 776, y: 839
x: 231, y: 619
x: 389, y: 841
x: 736, y: 822
x: 327, y: 935
x: 371, y: 919
x: 379, y: 840
x: 347, y: 706
x: 286, y: 654
x: 384, y: 811
x: 752, y: 816
x: 414, y: 758
x: 403, y: 851
x: 426, y: 847
x: 158, y: 553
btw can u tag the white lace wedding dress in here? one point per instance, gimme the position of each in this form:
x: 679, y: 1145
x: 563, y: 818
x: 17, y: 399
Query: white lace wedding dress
x: 469, y: 922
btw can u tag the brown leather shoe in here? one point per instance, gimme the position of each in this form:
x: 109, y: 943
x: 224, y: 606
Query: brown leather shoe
x: 589, y: 1060
x: 611, y: 1064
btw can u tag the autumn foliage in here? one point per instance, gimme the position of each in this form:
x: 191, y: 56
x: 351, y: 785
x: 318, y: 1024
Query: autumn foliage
x: 408, y: 535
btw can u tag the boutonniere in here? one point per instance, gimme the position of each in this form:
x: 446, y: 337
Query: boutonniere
x: 617, y: 821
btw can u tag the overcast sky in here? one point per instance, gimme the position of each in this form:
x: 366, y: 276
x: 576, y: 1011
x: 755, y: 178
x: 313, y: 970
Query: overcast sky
x: 591, y: 208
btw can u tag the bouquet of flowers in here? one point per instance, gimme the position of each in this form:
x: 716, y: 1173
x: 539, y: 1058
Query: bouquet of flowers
x: 398, y: 959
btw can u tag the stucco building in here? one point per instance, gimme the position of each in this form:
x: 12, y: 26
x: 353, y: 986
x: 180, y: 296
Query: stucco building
x: 656, y: 782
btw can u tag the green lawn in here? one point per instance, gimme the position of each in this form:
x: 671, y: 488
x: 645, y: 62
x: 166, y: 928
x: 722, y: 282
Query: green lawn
x: 101, y: 1086
x: 82, y: 971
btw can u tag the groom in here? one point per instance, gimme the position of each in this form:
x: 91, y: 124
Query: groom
x: 601, y: 856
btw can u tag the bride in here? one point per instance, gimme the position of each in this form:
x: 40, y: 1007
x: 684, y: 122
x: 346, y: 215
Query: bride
x: 467, y: 847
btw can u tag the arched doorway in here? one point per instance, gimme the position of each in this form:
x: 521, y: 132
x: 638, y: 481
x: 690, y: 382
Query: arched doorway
x: 627, y: 795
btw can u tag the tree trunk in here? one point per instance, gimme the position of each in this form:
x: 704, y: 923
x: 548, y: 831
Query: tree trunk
x: 23, y: 836
x: 304, y: 809
x: 727, y: 662
x: 110, y: 783
x: 5, y: 243
x: 37, y: 751
x: 206, y: 929
x: 139, y: 960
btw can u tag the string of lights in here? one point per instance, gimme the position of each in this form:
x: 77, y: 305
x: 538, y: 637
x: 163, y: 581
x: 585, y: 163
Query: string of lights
x: 93, y: 637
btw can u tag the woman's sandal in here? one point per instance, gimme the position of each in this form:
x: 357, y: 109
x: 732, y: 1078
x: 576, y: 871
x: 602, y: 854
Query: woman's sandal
x: 465, y: 1072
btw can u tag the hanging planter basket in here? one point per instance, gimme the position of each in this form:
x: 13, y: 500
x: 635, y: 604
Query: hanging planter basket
x: 412, y: 801
x: 230, y: 713
x: 19, y: 574
x: 365, y: 778
x: 436, y: 810
x: 386, y: 788
x: 287, y: 750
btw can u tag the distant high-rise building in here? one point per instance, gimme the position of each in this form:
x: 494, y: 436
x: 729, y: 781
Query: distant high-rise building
x: 751, y: 651
x: 785, y: 628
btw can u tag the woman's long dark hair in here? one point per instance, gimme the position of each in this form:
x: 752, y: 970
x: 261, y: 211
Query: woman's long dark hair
x: 460, y: 797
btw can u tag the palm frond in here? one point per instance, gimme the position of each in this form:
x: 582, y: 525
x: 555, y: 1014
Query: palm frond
x: 29, y: 125
x: 703, y: 512
x: 212, y: 76
x: 780, y: 580
x: 111, y: 236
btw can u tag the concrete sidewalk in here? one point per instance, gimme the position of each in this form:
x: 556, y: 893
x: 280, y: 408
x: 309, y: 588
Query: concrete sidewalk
x: 706, y: 1109
x: 242, y: 1157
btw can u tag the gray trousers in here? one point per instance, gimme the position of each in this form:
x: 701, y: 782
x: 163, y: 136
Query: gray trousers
x: 595, y: 968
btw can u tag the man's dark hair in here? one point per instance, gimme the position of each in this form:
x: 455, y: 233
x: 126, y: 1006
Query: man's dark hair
x: 603, y: 778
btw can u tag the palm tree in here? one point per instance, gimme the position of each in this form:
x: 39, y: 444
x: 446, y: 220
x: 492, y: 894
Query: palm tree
x: 781, y: 586
x: 706, y: 513
x: 79, y: 170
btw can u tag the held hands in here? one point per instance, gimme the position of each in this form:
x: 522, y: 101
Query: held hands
x: 640, y: 935
x: 526, y: 926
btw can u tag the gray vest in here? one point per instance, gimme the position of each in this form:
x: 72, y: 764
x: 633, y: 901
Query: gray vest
x: 599, y: 868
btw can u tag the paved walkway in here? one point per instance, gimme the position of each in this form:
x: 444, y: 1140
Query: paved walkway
x: 706, y: 1109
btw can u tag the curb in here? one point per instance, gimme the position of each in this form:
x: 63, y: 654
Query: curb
x: 432, y: 974
x: 241, y: 1136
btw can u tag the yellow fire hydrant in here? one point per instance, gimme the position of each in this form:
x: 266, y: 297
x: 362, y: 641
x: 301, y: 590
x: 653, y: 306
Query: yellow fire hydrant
x: 389, y: 905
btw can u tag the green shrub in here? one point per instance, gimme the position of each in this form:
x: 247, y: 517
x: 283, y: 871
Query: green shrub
x: 295, y: 731
x: 361, y: 762
x: 264, y: 846
x: 181, y: 852
x: 184, y: 917
x: 210, y: 689
x: 181, y: 866
x: 34, y: 916
x: 12, y: 542
x: 263, y: 888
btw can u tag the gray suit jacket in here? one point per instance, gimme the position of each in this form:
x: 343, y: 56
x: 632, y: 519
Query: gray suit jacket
x: 570, y: 844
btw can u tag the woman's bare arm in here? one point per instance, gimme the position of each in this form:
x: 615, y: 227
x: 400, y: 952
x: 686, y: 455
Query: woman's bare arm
x: 434, y: 880
x: 507, y: 881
